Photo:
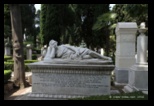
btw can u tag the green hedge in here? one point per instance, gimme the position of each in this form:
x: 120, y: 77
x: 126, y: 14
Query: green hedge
x: 7, y: 75
x: 7, y: 58
x: 26, y: 61
x: 38, y: 51
x: 10, y: 65
x: 30, y: 61
x: 34, y: 56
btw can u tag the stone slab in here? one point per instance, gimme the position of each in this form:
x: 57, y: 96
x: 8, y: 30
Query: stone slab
x: 70, y: 80
x: 78, y: 62
x: 138, y: 78
x: 121, y: 76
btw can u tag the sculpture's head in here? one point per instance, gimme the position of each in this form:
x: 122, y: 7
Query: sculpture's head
x: 53, y: 43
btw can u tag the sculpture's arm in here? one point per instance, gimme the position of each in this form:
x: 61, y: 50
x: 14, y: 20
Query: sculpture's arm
x: 72, y: 48
x: 53, y: 52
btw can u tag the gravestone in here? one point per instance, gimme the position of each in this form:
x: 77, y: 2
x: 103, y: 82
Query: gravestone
x: 138, y: 74
x: 7, y: 49
x: 29, y: 52
x: 67, y: 77
x: 125, y: 50
x: 83, y: 44
x: 102, y: 51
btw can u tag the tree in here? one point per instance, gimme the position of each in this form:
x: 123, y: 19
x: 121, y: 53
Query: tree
x: 19, y: 72
x: 122, y: 13
x: 27, y: 14
x: 54, y: 22
x: 28, y: 21
x: 7, y: 31
x: 7, y: 21
x: 42, y: 21
x: 139, y: 12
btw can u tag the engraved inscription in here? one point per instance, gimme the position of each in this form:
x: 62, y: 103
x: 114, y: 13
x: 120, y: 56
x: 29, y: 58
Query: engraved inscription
x: 70, y: 80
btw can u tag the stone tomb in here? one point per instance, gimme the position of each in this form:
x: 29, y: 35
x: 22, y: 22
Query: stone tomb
x: 70, y: 79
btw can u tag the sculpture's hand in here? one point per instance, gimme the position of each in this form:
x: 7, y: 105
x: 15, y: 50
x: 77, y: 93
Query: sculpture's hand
x: 109, y: 59
x: 77, y: 53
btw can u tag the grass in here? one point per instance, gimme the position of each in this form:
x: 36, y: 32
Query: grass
x: 138, y: 95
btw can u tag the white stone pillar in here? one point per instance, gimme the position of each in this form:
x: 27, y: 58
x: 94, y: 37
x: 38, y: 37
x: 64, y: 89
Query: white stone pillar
x: 102, y: 51
x: 138, y: 74
x: 125, y: 50
x: 42, y: 48
x: 29, y: 52
x: 7, y: 49
x: 142, y: 46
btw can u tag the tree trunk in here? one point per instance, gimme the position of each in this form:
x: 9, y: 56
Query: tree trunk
x: 19, y: 72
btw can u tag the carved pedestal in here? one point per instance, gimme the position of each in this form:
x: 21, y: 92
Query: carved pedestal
x: 69, y: 80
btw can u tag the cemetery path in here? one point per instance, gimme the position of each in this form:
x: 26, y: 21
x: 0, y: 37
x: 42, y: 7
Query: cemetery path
x: 17, y: 94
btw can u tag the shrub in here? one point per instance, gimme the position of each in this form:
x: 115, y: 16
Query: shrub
x: 26, y: 61
x: 34, y: 56
x: 8, y: 65
x: 37, y: 51
x: 7, y: 75
x: 30, y: 61
x: 7, y: 58
x: 25, y: 56
x: 10, y: 61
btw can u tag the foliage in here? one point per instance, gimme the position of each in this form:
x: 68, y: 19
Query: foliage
x: 54, y: 21
x: 26, y: 61
x: 27, y: 42
x: 7, y: 31
x: 7, y: 21
x: 139, y: 12
x: 7, y: 75
x: 38, y: 51
x: 7, y: 58
x: 71, y: 30
x: 131, y: 12
x: 34, y: 56
x: 138, y: 95
x: 122, y: 14
x: 9, y: 65
x: 42, y: 21
x: 91, y: 11
x: 27, y: 16
x: 104, y: 20
x: 30, y: 61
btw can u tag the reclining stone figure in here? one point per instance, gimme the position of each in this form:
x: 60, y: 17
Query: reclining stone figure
x: 71, y: 52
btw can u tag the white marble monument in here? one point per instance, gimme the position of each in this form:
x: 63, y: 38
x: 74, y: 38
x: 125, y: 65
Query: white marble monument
x: 70, y: 72
x: 138, y: 74
x: 29, y: 52
x: 125, y: 50
x: 7, y: 49
x: 102, y: 51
